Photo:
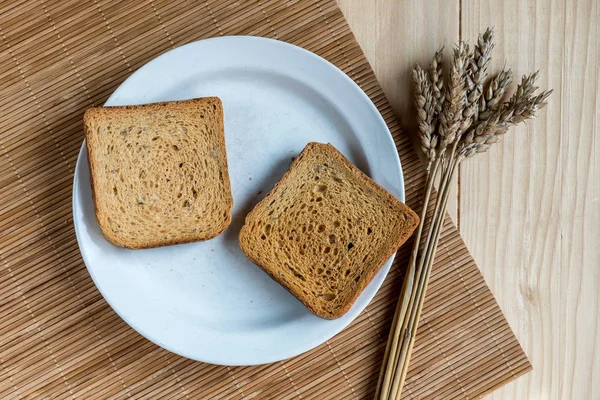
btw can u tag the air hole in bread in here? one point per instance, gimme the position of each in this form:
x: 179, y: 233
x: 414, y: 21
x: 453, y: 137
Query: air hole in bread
x: 328, y: 296
x: 319, y: 199
x: 175, y: 147
x: 336, y: 224
x: 337, y: 210
x: 268, y: 229
x: 186, y: 203
x: 321, y: 228
x: 320, y: 271
x: 327, y: 250
x: 338, y: 180
x: 263, y: 237
x: 115, y: 191
x: 369, y: 231
x: 319, y: 188
x: 316, y: 178
x: 350, y: 246
x: 194, y: 193
x: 347, y: 272
x: 310, y: 227
x: 155, y: 138
x: 331, y: 239
x: 357, y: 278
x: 180, y: 165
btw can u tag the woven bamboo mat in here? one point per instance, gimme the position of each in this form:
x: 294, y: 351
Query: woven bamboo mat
x: 60, y: 339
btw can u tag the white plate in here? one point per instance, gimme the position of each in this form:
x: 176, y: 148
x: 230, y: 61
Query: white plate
x: 205, y: 300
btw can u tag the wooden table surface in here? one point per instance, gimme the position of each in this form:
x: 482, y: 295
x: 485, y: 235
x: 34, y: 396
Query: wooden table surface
x: 529, y: 209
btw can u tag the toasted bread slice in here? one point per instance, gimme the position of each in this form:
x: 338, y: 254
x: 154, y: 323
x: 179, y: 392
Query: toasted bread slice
x: 159, y: 172
x: 325, y: 230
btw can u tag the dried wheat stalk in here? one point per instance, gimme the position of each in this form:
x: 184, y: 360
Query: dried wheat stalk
x: 457, y: 119
x: 436, y: 74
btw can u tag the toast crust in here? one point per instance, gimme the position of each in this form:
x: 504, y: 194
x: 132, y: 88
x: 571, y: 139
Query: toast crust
x: 382, y: 258
x: 92, y: 113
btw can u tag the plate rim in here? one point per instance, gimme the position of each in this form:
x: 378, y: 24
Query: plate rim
x: 365, y: 99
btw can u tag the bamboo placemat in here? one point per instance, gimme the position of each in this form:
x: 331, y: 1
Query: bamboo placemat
x: 60, y: 339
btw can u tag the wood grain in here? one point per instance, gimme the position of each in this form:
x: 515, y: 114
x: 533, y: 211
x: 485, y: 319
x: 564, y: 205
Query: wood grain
x: 391, y: 36
x: 528, y: 210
